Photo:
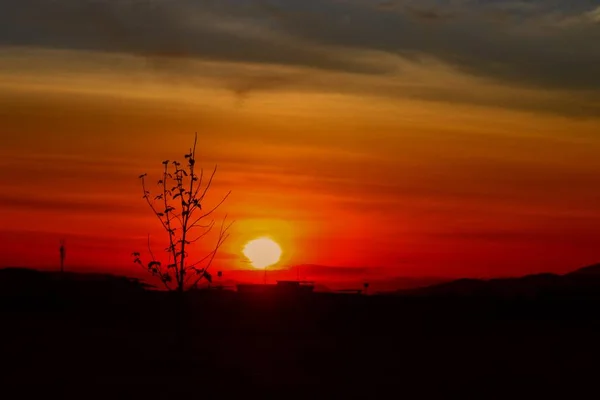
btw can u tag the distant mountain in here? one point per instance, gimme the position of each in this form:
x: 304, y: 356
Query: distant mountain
x: 592, y: 270
x: 24, y: 281
x: 582, y: 281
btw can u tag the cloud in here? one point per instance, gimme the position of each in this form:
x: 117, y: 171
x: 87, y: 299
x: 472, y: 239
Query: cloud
x: 583, y: 19
x: 291, y: 32
x: 159, y: 29
x: 564, y: 237
x: 522, y: 51
x: 64, y: 204
x: 531, y: 46
x: 421, y: 79
x: 594, y: 15
x: 427, y: 15
x: 530, y: 49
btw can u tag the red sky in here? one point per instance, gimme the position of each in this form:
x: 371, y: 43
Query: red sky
x: 426, y: 169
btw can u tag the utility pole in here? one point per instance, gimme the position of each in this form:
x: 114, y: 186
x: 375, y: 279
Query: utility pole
x: 63, y: 254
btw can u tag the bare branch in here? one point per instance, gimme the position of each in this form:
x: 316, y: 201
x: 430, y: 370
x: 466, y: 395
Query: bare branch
x: 203, y: 233
x: 150, y: 249
x: 208, y: 185
x: 196, y: 225
x: 223, y: 235
x: 213, y: 209
x: 147, y: 197
x: 199, y: 183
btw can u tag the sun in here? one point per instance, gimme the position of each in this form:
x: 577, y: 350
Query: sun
x: 262, y: 252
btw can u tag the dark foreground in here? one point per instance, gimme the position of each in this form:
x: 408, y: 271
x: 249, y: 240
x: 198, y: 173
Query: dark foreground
x: 91, y: 342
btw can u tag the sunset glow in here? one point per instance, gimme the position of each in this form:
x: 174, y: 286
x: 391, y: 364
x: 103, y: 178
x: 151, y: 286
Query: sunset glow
x: 262, y: 252
x: 325, y: 198
x: 358, y: 135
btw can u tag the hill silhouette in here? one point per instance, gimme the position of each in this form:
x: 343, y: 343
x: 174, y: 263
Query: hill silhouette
x: 25, y: 279
x: 583, y: 281
x: 99, y: 336
x: 31, y: 286
x: 590, y: 271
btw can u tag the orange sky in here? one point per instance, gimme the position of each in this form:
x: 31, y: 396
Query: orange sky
x: 426, y: 170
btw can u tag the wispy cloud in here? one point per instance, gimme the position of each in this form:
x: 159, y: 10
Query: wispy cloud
x: 95, y: 204
x: 594, y: 15
x: 339, y: 37
x: 320, y: 32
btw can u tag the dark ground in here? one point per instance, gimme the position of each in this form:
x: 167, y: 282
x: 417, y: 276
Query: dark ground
x: 84, y: 341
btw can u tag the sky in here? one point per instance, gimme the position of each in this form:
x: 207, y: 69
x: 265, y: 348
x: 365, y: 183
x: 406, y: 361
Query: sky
x: 387, y: 138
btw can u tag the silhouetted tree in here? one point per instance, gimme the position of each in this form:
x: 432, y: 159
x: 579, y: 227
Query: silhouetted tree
x: 179, y: 207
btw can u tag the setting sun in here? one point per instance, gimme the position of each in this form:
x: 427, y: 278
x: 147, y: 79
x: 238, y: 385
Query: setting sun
x: 262, y: 252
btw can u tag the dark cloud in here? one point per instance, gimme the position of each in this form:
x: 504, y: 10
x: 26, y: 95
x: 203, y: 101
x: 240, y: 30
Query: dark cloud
x: 430, y: 15
x: 158, y: 29
x: 66, y: 205
x: 526, y: 52
x: 243, y: 86
x: 552, y: 45
x: 562, y: 236
x: 493, y: 236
